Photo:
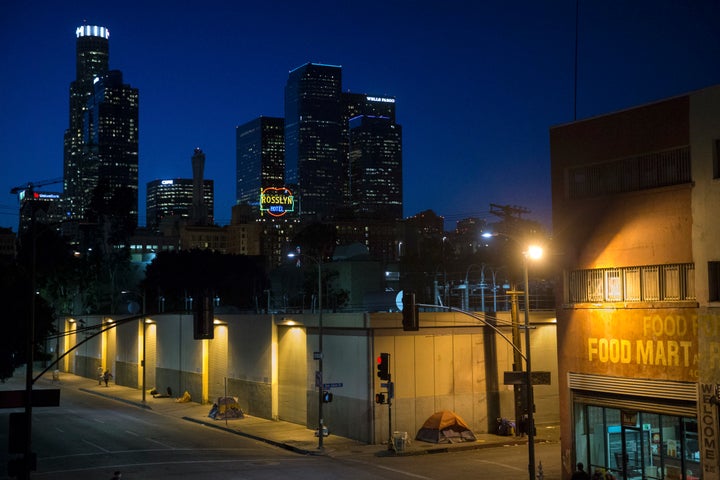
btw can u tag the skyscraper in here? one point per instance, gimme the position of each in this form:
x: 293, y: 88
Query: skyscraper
x: 314, y: 164
x: 101, y: 142
x: 173, y: 198
x: 110, y: 135
x: 92, y: 52
x: 260, y: 158
x: 372, y: 145
x: 375, y: 166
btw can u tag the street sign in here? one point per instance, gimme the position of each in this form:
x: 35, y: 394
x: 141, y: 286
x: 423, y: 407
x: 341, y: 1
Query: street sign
x: 40, y: 398
x: 332, y: 385
x: 518, y: 378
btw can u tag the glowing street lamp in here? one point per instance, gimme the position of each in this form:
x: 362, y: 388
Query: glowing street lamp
x: 532, y: 252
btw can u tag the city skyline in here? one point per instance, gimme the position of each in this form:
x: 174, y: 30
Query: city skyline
x: 478, y: 84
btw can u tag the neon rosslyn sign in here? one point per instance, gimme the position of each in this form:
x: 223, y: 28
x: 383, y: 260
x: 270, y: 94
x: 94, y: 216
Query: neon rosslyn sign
x: 276, y: 201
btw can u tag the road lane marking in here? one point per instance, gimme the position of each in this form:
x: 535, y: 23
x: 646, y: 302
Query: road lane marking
x: 511, y: 467
x: 394, y: 470
x: 161, y: 443
x: 97, y: 446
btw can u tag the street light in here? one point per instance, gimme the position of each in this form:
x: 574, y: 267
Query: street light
x: 532, y: 252
x: 319, y: 377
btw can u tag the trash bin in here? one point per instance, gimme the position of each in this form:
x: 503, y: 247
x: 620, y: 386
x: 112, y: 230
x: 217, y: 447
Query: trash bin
x: 399, y: 441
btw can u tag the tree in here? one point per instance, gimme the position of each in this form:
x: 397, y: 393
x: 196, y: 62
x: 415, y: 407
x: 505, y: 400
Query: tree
x: 238, y: 280
x: 16, y: 295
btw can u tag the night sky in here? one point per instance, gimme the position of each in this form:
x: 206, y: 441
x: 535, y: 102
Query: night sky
x: 478, y: 83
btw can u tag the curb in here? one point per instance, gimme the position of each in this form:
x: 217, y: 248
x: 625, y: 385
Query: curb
x: 114, y: 397
x: 416, y: 451
x: 286, y: 446
x: 454, y: 448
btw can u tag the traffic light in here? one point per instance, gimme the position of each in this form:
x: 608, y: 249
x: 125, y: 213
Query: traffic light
x: 203, y: 317
x: 410, y: 312
x: 379, y: 398
x: 327, y: 397
x: 383, y: 366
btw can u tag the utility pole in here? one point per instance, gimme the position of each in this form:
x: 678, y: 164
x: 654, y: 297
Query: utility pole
x: 517, y: 359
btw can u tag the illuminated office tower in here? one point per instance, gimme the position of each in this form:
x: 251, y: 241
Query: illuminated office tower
x: 110, y: 150
x: 101, y: 141
x: 375, y: 166
x: 260, y: 158
x: 172, y: 199
x: 313, y: 134
x: 92, y: 53
x: 356, y: 105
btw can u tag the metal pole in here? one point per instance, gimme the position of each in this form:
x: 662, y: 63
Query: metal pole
x: 321, y: 433
x: 144, y: 367
x: 391, y: 440
x: 482, y: 288
x: 30, y: 345
x: 142, y: 364
x: 517, y: 359
x: 528, y: 378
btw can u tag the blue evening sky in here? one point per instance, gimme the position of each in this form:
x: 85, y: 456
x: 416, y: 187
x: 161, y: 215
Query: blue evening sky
x: 478, y: 83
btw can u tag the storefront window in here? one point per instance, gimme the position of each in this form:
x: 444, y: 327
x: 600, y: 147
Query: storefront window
x: 636, y: 445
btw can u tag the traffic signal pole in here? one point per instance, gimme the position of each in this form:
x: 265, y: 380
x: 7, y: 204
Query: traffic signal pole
x: 383, y: 373
x: 391, y: 445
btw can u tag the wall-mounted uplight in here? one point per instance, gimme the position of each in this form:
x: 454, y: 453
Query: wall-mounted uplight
x: 288, y: 322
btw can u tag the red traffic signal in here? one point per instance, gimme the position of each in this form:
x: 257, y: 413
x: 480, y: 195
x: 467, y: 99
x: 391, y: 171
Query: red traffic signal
x: 379, y: 398
x: 383, y: 367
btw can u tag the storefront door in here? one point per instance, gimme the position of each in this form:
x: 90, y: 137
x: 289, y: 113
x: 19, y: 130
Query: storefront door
x: 637, y: 445
x: 630, y: 461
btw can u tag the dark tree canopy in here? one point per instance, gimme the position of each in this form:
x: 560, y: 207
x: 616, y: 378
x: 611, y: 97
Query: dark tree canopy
x: 16, y: 297
x: 238, y: 280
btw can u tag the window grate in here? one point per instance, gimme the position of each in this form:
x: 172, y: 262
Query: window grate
x: 672, y: 282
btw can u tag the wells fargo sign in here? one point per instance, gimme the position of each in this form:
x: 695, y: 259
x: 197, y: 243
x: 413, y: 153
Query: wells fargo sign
x: 276, y: 201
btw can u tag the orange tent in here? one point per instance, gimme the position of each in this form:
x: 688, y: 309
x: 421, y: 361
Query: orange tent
x: 445, y: 427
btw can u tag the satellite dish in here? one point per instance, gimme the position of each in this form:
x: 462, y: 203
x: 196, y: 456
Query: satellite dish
x: 398, y: 300
x: 133, y: 308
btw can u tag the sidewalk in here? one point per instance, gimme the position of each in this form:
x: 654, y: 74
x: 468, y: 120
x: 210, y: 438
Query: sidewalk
x: 290, y: 436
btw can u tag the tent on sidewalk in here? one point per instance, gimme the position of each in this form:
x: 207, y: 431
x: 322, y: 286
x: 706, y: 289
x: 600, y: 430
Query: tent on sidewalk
x: 226, y: 407
x: 445, y: 427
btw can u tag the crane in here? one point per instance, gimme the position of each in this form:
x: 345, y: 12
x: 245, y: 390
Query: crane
x: 30, y: 186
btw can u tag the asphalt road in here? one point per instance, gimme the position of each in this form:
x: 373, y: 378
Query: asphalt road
x: 90, y: 437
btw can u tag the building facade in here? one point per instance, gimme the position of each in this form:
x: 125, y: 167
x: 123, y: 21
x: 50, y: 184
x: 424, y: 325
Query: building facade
x: 101, y: 141
x: 172, y: 199
x: 634, y: 199
x: 260, y: 158
x: 314, y: 164
x: 92, y: 56
x: 375, y: 168
x: 110, y: 142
